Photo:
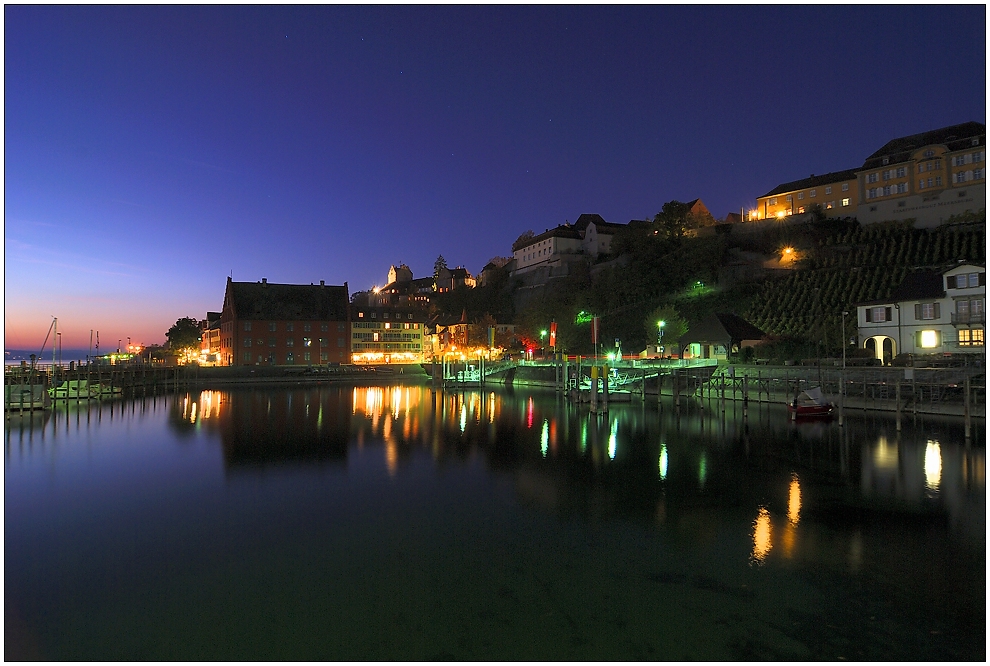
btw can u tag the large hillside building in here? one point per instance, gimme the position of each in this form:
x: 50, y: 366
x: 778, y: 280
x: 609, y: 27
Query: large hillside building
x: 927, y: 177
x: 263, y: 323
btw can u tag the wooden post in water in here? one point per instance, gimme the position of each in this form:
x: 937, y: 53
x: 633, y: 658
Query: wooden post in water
x: 745, y: 392
x: 842, y: 395
x: 897, y: 397
x: 676, y: 384
x: 966, y: 411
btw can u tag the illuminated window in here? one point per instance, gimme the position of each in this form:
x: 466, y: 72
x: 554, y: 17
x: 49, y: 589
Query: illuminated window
x: 360, y: 315
x: 964, y: 337
x: 976, y: 335
x: 375, y: 337
x: 830, y: 204
x: 773, y: 201
x: 388, y: 325
x: 929, y: 339
x: 305, y: 356
x: 845, y: 202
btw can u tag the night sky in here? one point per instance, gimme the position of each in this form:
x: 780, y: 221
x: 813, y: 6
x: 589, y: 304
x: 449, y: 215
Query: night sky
x: 150, y: 152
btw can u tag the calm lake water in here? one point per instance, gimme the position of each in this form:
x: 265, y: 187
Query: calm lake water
x: 399, y: 523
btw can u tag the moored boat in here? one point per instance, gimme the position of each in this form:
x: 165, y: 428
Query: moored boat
x: 810, y: 403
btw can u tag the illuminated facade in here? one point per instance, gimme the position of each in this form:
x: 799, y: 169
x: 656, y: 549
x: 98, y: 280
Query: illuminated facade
x: 928, y: 177
x: 284, y: 324
x: 930, y: 312
x: 386, y: 335
x: 836, y: 194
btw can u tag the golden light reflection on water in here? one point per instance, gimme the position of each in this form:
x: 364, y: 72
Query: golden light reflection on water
x: 933, y: 465
x: 761, y: 537
x: 794, y: 501
x: 885, y: 454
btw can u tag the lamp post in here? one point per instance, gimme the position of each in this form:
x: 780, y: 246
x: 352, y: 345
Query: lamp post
x: 543, y: 335
x: 118, y: 344
x: 660, y: 327
x: 845, y: 342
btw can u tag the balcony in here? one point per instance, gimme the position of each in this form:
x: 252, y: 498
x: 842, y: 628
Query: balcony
x: 968, y: 318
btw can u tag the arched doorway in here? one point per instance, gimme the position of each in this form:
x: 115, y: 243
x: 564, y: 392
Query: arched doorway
x: 882, y: 347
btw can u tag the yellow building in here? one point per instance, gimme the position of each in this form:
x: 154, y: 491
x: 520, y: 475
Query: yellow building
x: 835, y: 193
x: 927, y: 177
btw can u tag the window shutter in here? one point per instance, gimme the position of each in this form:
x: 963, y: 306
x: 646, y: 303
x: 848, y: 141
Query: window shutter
x: 950, y: 282
x: 869, y: 314
x: 983, y: 279
x: 917, y: 311
x: 938, y: 338
x: 887, y: 314
x: 938, y: 310
x: 917, y: 339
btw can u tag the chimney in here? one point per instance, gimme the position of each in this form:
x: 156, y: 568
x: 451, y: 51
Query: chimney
x: 322, y: 283
x: 264, y: 280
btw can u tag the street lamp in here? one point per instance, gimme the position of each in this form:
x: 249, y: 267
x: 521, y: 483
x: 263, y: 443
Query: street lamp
x: 660, y: 326
x: 845, y: 342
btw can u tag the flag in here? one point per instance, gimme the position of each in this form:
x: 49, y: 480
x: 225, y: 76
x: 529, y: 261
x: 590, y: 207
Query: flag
x: 553, y: 334
x: 595, y: 328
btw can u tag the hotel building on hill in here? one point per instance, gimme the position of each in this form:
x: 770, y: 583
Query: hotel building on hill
x: 263, y: 323
x: 927, y: 177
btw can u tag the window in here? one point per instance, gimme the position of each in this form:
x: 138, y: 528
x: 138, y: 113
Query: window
x: 886, y: 161
x: 971, y: 337
x: 324, y: 356
x: 323, y: 342
x: 247, y: 342
x: 886, y: 190
x: 901, y: 188
x: 978, y: 157
x: 800, y: 209
x: 340, y: 342
x: 974, y: 279
x: 374, y: 315
x: 845, y: 202
x: 921, y: 183
x: 800, y: 195
x: 829, y: 204
x: 289, y: 342
x: 406, y: 325
x: 247, y: 357
x: 871, y: 193
x: 812, y: 193
x: 271, y: 342
x: 962, y: 308
x: 789, y: 198
x: 289, y: 358
x: 247, y: 326
x: 384, y: 315
x: 307, y: 342
x: 922, y: 167
x: 976, y: 306
x: 976, y: 142
x: 845, y: 187
x: 977, y: 174
x: 324, y: 327
x: 288, y: 327
x: 938, y: 181
x: 360, y: 315
x: 305, y: 356
x: 828, y: 190
x: 927, y: 339
x: 938, y: 164
x: 901, y: 172
x: 959, y: 177
x: 879, y: 314
x: 926, y: 311
x: 929, y: 153
x: 271, y: 326
x: 306, y: 327
x: 871, y: 178
x: 340, y: 327
x: 773, y: 201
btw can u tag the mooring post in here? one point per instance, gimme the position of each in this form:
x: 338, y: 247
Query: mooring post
x: 897, y: 398
x: 745, y: 390
x: 675, y: 378
x: 966, y: 410
x: 594, y: 389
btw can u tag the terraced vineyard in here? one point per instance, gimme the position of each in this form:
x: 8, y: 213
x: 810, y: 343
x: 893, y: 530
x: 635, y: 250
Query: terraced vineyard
x: 856, y: 266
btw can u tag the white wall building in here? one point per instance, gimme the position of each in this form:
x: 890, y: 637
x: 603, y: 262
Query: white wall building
x: 930, y: 312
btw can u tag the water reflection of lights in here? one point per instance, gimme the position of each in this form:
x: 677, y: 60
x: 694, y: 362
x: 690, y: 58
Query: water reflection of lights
x: 933, y: 465
x: 612, y: 439
x: 545, y: 438
x: 491, y: 407
x: 794, y: 501
x: 463, y: 417
x: 529, y: 413
x: 885, y: 454
x: 584, y: 436
x: 761, y: 536
x: 662, y: 463
x: 702, y: 471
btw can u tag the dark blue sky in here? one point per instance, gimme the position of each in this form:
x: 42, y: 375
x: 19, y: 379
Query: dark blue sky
x: 152, y: 151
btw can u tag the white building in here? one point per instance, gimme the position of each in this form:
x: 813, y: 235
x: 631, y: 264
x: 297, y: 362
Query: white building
x: 930, y: 312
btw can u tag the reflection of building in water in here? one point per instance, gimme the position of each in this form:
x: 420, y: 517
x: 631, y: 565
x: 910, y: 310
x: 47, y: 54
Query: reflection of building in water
x: 261, y: 427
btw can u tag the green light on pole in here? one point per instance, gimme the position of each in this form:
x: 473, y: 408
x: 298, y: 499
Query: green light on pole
x: 543, y: 334
x: 660, y: 325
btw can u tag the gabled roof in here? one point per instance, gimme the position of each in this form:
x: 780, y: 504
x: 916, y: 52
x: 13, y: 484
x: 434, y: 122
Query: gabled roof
x: 608, y: 228
x: 587, y: 218
x: 722, y: 327
x: 954, y: 137
x: 812, y: 181
x: 288, y: 302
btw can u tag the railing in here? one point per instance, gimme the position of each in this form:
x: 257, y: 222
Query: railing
x: 968, y: 318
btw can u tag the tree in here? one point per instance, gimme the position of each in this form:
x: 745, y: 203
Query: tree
x: 184, y: 334
x: 674, y: 325
x: 523, y: 237
x: 439, y: 265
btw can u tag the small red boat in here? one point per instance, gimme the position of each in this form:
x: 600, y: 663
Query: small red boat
x: 810, y: 404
